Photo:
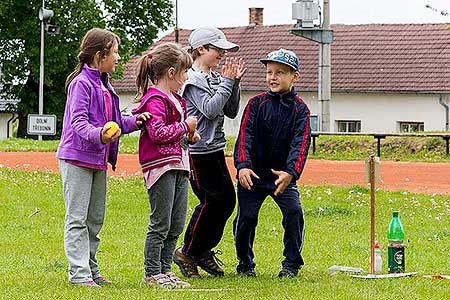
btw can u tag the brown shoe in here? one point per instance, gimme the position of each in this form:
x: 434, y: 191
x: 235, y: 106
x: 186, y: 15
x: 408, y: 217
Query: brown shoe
x: 210, y: 263
x: 187, y: 265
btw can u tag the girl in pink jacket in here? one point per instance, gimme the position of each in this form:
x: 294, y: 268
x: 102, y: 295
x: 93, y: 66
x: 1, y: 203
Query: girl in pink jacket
x: 164, y: 156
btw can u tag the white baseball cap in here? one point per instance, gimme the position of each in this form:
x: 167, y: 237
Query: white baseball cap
x: 210, y: 35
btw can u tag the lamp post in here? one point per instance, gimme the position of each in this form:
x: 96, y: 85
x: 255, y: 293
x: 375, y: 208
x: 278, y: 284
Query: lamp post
x: 44, y: 14
x: 176, y: 23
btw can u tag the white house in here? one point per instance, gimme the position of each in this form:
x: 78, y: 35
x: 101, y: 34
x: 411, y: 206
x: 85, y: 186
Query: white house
x: 7, y: 115
x: 385, y: 77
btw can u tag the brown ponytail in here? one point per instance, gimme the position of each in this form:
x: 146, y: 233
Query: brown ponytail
x: 154, y: 65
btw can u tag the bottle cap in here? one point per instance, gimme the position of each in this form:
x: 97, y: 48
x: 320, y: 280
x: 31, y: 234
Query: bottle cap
x: 376, y: 246
x: 395, y: 213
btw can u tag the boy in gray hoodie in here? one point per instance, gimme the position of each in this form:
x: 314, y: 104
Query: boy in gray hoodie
x: 210, y: 97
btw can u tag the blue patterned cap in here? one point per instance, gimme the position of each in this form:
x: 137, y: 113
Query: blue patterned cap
x: 283, y: 56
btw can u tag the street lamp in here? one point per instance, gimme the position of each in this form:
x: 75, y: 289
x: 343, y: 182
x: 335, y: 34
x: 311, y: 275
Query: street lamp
x: 44, y: 14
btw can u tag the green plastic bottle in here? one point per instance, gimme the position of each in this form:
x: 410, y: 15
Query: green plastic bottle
x: 396, y: 248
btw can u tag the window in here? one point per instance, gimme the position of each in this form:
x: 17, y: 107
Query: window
x: 349, y: 126
x: 313, y: 123
x: 411, y: 126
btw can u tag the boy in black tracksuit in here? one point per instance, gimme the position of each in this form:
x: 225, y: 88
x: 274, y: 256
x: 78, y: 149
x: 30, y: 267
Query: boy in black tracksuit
x: 270, y: 154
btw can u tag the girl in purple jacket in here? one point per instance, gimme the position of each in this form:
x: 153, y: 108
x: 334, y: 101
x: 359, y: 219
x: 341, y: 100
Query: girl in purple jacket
x: 164, y: 157
x: 85, y: 149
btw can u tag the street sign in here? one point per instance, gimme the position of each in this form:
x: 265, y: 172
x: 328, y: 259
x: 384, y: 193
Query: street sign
x: 41, y: 124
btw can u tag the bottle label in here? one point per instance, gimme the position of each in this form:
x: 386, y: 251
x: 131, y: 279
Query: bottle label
x: 396, y: 258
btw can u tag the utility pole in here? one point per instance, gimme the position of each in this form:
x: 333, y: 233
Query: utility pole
x: 325, y: 73
x: 305, y: 12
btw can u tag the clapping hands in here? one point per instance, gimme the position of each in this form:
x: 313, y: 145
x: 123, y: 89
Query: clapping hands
x: 233, y: 68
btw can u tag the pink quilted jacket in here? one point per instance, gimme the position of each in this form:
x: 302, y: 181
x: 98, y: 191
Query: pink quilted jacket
x: 159, y: 142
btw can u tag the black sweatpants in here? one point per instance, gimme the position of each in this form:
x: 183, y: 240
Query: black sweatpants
x: 214, y: 188
x: 244, y: 225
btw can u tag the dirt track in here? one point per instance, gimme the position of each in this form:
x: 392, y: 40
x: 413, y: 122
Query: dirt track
x: 427, y: 178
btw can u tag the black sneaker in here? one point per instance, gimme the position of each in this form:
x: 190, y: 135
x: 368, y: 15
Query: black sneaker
x: 247, y: 272
x: 100, y: 280
x: 187, y: 265
x: 210, y: 263
x: 287, y: 273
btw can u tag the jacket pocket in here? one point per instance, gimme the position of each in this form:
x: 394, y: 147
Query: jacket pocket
x: 91, y: 147
x: 169, y: 149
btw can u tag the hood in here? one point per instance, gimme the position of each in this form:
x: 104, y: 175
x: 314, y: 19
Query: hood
x: 151, y: 92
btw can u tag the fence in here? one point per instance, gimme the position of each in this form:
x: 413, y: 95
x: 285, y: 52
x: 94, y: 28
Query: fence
x: 379, y: 136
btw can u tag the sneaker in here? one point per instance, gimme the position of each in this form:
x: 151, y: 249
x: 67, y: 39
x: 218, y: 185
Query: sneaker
x: 287, y: 273
x: 88, y: 283
x: 177, y: 282
x: 161, y: 281
x: 211, y: 264
x: 100, y: 280
x: 187, y: 265
x: 248, y: 272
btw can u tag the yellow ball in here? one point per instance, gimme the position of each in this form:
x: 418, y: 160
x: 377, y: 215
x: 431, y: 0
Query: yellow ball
x: 113, y: 127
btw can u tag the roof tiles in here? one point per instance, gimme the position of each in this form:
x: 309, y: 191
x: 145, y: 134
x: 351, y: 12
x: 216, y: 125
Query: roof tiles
x: 364, y: 58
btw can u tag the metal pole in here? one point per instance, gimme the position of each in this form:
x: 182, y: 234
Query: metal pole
x: 176, y: 22
x: 41, y: 72
x: 372, y: 213
x: 325, y: 74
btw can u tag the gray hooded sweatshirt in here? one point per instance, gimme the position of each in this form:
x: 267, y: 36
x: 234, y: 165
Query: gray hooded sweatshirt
x: 210, y: 98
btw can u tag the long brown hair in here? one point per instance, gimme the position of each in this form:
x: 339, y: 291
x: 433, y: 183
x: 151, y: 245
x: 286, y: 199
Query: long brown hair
x: 95, y: 40
x: 154, y: 65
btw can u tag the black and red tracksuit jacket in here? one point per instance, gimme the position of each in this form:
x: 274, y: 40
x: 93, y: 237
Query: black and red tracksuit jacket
x: 274, y: 134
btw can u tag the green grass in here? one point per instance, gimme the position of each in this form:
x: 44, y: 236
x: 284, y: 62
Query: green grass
x: 128, y: 144
x: 429, y: 149
x: 27, y: 145
x: 33, y: 265
x: 327, y: 147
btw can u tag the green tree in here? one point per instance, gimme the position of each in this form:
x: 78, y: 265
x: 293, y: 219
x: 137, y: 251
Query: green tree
x: 137, y: 23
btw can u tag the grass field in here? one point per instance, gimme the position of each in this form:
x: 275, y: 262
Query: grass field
x: 33, y: 266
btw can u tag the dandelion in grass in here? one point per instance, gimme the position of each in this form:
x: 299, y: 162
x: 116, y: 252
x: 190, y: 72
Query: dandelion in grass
x: 308, y: 193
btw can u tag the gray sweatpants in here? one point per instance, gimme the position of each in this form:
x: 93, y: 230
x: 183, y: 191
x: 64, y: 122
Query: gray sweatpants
x: 168, y: 204
x: 84, y: 196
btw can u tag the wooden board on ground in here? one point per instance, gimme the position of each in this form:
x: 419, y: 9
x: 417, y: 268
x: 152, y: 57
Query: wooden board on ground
x: 381, y: 276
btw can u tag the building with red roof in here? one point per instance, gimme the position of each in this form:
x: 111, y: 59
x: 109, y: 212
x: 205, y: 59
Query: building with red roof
x: 385, y: 77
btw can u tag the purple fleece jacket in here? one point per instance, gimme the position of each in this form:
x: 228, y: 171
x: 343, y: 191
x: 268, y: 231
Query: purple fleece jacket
x: 85, y: 116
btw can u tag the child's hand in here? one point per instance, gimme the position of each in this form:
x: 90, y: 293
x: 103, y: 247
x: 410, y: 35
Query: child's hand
x: 193, y: 137
x: 108, y: 138
x: 142, y: 118
x: 282, y: 182
x: 229, y: 68
x: 245, y: 177
x: 192, y: 123
x: 241, y: 69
